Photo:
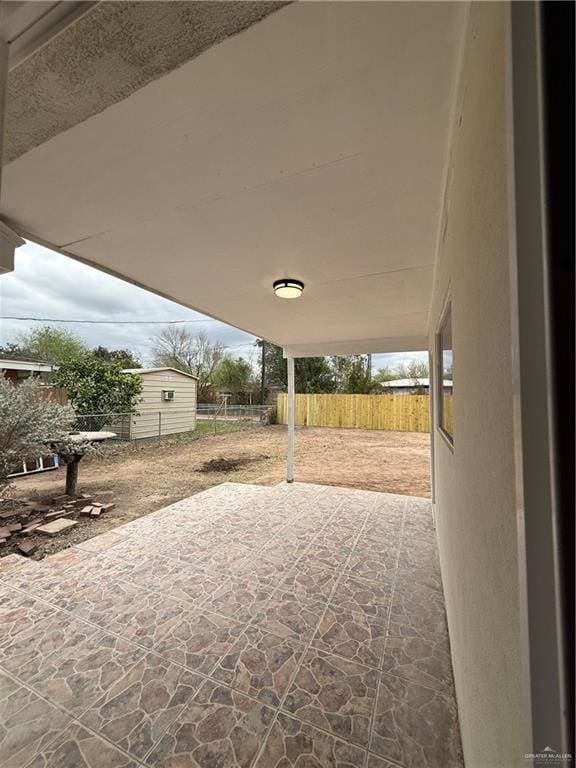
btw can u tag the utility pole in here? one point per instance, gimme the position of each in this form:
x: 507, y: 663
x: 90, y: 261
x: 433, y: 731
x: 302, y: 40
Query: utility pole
x: 369, y: 367
x: 263, y: 374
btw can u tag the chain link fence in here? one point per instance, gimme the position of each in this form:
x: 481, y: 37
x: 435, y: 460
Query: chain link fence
x: 173, y: 422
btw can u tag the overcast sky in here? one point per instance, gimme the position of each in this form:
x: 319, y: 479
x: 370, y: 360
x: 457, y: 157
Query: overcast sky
x: 46, y: 284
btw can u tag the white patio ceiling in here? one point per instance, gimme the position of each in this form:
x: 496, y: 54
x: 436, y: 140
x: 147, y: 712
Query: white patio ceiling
x: 311, y: 145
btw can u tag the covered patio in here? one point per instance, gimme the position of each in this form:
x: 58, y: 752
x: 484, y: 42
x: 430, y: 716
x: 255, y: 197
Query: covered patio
x: 297, y: 625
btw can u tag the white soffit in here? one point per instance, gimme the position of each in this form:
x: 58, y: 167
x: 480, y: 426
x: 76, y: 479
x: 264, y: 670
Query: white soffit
x: 313, y: 145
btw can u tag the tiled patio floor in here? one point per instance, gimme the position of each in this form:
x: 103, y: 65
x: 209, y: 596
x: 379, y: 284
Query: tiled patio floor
x: 289, y: 627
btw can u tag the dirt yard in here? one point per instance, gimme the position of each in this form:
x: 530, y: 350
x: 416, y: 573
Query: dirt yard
x: 144, y: 477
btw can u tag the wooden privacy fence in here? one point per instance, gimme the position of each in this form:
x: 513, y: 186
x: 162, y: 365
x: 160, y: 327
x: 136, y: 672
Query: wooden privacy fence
x: 402, y: 413
x: 54, y: 394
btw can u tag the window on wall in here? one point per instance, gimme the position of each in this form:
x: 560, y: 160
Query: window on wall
x: 444, y: 374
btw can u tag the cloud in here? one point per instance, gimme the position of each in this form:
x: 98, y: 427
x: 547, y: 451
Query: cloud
x: 48, y: 284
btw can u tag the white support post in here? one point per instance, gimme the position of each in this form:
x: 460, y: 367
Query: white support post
x: 290, y: 414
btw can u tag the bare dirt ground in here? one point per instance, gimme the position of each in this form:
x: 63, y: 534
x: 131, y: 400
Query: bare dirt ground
x: 147, y: 476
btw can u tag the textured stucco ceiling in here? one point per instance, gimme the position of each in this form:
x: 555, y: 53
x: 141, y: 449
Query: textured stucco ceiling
x: 107, y: 54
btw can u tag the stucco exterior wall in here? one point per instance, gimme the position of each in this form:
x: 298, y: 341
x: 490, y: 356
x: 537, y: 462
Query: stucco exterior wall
x: 178, y: 415
x: 475, y: 486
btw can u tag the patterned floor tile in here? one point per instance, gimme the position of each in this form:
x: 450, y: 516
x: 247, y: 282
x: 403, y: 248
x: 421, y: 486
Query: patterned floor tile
x: 334, y: 536
x: 193, y: 585
x: 417, y: 611
x: 310, y: 581
x: 19, y: 616
x: 226, y: 560
x: 385, y: 535
x: 418, y: 577
x: 352, y: 594
x: 76, y: 747
x: 240, y: 599
x: 110, y: 604
x: 375, y: 761
x: 220, y: 728
x: 196, y: 639
x: 27, y: 654
x: 235, y: 583
x: 335, y: 694
x: 354, y: 635
x: 287, y: 615
x: 425, y: 662
x: 101, y: 543
x: 388, y: 507
x: 415, y: 553
x: 415, y: 726
x: 260, y: 664
x: 327, y: 557
x: 84, y: 669
x: 419, y: 527
x: 266, y: 568
x: 27, y: 724
x: 155, y: 571
x: 285, y: 548
x: 372, y: 561
x: 294, y: 744
x: 137, y: 710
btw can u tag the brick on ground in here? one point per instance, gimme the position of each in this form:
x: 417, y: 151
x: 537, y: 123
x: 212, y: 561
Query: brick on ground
x: 13, y: 527
x: 108, y: 507
x: 27, y: 547
x: 41, y: 508
x: 85, y: 511
x: 29, y: 530
x: 55, y: 514
x: 5, y: 533
x: 96, y: 511
x: 56, y: 526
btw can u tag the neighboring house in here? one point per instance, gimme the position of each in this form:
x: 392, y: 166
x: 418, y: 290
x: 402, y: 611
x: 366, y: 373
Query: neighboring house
x: 16, y: 370
x: 168, y: 403
x: 412, y: 386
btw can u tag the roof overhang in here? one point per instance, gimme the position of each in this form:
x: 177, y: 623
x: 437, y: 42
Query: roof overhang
x: 312, y: 145
x: 25, y: 365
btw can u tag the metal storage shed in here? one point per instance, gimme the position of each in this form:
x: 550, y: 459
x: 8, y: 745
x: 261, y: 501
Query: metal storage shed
x: 168, y: 403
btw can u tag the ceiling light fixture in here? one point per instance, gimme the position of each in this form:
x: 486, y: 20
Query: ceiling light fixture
x: 288, y: 288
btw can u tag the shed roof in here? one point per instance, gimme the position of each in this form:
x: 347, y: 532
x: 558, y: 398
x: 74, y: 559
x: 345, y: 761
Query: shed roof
x: 158, y: 370
x: 24, y: 365
x: 418, y: 382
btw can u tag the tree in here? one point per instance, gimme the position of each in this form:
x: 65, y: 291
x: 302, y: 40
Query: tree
x: 234, y: 376
x: 383, y: 375
x: 176, y: 347
x: 28, y: 424
x: 11, y: 350
x: 352, y: 374
x: 96, y: 386
x: 412, y: 370
x: 312, y: 375
x: 53, y: 345
x: 125, y: 357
